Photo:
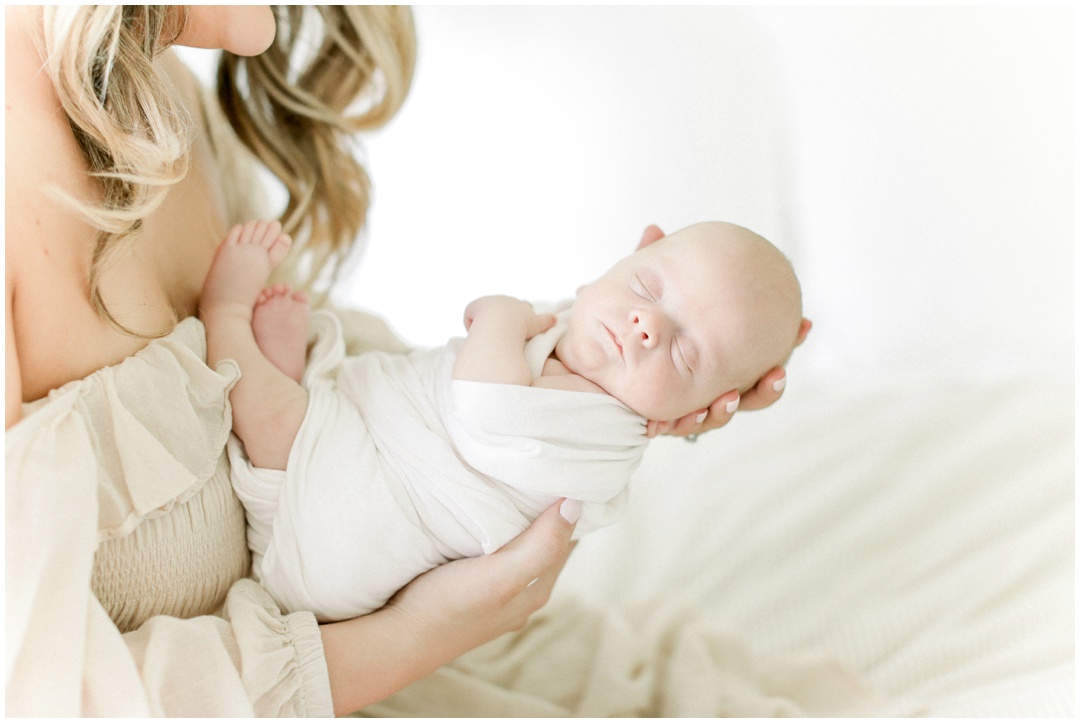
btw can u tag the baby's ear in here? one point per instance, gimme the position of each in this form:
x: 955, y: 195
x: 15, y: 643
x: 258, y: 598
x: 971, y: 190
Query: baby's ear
x: 651, y: 235
x: 804, y: 329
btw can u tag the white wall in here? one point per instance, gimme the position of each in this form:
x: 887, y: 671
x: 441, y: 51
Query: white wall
x: 935, y: 165
x: 917, y: 164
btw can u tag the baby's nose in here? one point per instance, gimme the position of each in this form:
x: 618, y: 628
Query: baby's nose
x: 645, y: 327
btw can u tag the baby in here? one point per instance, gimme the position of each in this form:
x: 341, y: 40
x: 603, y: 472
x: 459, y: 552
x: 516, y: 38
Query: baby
x: 359, y: 473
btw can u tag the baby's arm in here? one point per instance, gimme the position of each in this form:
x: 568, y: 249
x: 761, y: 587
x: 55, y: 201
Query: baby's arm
x: 498, y: 328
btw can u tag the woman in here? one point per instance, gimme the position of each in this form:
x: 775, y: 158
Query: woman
x: 126, y: 557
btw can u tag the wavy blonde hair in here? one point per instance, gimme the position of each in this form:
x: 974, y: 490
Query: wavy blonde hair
x: 331, y: 72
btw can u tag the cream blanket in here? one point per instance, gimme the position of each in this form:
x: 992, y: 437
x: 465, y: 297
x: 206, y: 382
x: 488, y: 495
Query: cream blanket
x: 398, y: 468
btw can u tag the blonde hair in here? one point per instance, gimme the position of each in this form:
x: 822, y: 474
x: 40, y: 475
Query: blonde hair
x: 292, y: 106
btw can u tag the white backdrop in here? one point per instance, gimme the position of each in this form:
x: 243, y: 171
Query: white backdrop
x: 916, y: 163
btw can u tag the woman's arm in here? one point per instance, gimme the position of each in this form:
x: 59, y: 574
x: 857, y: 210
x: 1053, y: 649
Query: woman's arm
x: 447, y: 612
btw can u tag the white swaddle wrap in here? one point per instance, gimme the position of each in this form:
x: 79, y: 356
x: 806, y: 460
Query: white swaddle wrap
x: 398, y: 468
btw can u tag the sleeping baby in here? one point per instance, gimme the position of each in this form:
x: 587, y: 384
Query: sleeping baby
x: 358, y: 473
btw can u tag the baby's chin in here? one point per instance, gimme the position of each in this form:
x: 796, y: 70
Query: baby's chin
x: 654, y: 412
x: 607, y: 389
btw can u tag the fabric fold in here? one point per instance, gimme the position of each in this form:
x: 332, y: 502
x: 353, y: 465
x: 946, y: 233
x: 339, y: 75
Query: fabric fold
x: 659, y: 658
x: 288, y: 677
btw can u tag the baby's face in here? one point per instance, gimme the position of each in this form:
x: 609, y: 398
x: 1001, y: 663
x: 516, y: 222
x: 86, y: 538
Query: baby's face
x: 684, y: 320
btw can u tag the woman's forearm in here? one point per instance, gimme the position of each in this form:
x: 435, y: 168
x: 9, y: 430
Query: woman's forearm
x: 446, y: 612
x: 370, y: 658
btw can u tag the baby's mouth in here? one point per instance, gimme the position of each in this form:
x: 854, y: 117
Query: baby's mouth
x: 614, y: 339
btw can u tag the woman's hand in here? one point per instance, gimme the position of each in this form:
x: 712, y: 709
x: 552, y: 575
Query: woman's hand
x: 446, y: 612
x: 765, y: 393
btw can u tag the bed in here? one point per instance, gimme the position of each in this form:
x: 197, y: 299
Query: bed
x: 924, y: 541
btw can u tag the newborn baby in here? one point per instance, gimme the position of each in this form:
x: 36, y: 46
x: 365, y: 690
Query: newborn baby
x: 359, y: 473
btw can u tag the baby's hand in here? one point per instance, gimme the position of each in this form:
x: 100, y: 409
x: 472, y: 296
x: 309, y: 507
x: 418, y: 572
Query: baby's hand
x: 498, y: 328
x: 508, y: 310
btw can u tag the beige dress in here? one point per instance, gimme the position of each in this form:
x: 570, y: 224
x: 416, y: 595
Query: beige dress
x: 120, y: 523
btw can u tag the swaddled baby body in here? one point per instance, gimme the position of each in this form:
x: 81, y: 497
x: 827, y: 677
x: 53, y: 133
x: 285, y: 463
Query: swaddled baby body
x: 359, y: 473
x: 398, y: 467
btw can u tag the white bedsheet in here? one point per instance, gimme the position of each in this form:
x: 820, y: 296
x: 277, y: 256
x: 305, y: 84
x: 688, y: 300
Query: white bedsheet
x: 920, y: 535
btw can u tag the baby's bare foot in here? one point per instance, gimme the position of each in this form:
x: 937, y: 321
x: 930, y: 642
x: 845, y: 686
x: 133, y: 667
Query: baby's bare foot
x: 242, y: 265
x: 280, y: 325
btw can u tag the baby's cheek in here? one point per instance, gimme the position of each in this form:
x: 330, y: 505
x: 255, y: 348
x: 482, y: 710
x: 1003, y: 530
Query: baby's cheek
x: 583, y: 356
x: 671, y: 397
x: 648, y: 400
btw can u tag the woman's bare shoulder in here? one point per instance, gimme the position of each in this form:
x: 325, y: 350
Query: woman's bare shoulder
x: 40, y: 149
x: 47, y: 246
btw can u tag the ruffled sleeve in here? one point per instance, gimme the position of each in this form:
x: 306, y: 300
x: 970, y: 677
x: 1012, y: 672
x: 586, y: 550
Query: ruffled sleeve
x: 86, y: 465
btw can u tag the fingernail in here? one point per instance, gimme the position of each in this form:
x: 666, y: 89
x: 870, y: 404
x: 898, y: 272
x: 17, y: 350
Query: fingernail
x: 778, y: 386
x: 701, y: 417
x: 570, y: 510
x: 732, y: 406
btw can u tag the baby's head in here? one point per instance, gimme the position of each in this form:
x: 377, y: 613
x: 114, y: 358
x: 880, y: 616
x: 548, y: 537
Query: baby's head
x: 684, y: 320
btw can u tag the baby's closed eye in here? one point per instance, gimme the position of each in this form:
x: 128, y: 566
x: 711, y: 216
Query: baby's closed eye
x: 680, y: 355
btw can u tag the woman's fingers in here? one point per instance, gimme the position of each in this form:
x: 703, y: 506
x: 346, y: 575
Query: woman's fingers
x: 457, y: 606
x: 766, y: 392
x: 542, y: 548
x: 717, y: 415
